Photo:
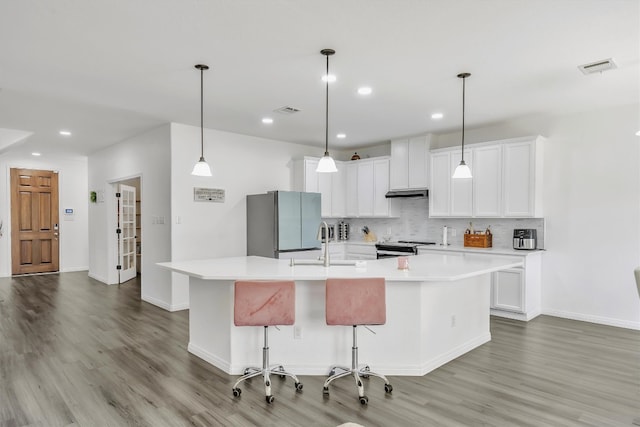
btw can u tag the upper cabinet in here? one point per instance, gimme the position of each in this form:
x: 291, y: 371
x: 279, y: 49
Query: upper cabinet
x: 507, y: 180
x: 449, y: 197
x: 357, y: 190
x: 409, y: 166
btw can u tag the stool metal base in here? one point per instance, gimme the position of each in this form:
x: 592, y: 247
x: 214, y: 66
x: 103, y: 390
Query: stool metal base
x: 266, y: 372
x: 358, y: 374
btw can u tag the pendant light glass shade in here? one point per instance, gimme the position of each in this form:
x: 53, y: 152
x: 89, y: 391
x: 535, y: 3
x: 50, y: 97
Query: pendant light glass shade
x: 462, y: 171
x: 326, y: 163
x: 201, y: 168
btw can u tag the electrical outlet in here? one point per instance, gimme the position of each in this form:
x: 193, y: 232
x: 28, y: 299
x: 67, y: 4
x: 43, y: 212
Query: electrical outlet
x: 453, y: 232
x: 297, y: 332
x: 453, y: 320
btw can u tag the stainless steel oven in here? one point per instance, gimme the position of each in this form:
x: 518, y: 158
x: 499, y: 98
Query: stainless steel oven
x: 400, y: 248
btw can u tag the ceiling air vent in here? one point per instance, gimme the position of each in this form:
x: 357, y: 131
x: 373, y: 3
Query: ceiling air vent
x: 598, y: 66
x: 286, y: 110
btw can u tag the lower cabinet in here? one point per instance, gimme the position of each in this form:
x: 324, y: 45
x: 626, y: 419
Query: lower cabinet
x: 507, y: 290
x: 516, y: 293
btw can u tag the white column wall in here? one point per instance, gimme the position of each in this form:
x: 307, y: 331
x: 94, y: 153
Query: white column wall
x: 591, y: 210
x: 73, y: 193
x: 240, y: 165
x: 148, y: 156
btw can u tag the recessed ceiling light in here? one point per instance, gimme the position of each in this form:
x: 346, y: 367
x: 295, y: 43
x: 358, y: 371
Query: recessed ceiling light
x: 329, y: 77
x: 267, y: 120
x: 35, y: 154
x: 65, y: 133
x: 365, y: 90
x: 638, y: 133
x: 341, y: 135
x: 437, y: 116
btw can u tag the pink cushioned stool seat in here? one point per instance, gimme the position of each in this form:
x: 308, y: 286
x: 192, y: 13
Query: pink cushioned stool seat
x: 358, y: 301
x: 264, y: 303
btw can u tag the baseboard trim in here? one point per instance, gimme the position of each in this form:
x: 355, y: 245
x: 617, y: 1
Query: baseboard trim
x: 156, y: 302
x: 394, y: 369
x: 98, y: 278
x: 74, y: 269
x: 608, y: 321
x: 164, y: 305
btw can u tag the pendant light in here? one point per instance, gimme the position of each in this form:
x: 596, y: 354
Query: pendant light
x: 462, y: 171
x: 326, y: 163
x: 202, y: 167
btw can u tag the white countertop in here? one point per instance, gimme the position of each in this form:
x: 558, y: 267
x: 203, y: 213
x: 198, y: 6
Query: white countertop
x: 422, y: 268
x: 466, y: 249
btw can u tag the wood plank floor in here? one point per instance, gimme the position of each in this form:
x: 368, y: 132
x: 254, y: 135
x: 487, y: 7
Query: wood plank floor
x: 77, y: 352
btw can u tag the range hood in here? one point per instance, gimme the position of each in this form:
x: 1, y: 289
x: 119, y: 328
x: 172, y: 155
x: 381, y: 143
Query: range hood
x: 416, y: 193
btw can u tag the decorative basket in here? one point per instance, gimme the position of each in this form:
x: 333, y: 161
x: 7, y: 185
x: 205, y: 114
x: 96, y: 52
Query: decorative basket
x: 478, y: 240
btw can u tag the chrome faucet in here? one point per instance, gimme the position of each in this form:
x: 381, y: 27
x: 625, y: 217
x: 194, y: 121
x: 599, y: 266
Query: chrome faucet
x: 325, y: 226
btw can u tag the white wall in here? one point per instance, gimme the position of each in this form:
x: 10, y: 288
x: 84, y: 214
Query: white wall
x: 146, y: 156
x: 592, y: 210
x: 73, y: 193
x: 240, y: 165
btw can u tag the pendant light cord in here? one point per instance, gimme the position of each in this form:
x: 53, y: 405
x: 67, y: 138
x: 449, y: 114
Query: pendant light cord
x: 202, y: 114
x: 326, y: 114
x: 463, y: 90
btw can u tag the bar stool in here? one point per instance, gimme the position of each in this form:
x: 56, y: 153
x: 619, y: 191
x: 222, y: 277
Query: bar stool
x: 353, y: 302
x: 264, y: 303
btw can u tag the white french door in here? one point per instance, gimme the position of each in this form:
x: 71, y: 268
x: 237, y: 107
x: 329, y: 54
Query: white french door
x: 127, y: 233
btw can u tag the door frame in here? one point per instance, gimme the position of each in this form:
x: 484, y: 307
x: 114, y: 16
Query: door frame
x: 111, y: 216
x: 9, y: 230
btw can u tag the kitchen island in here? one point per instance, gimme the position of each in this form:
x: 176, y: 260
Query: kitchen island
x: 436, y: 311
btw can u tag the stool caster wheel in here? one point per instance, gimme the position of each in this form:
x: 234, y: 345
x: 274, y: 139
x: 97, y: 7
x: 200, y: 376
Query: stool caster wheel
x: 364, y: 400
x: 237, y: 392
x: 269, y: 399
x: 325, y: 391
x: 298, y: 386
x: 388, y: 388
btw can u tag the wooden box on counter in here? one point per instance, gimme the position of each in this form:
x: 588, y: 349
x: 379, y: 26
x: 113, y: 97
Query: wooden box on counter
x: 478, y: 240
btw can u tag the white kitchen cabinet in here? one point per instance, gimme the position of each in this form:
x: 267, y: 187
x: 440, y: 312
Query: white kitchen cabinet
x: 507, y: 290
x: 461, y: 202
x: 339, y: 191
x: 381, y: 205
x: 523, y: 178
x: 507, y: 180
x: 409, y: 166
x: 450, y: 197
x: 516, y: 293
x: 357, y: 190
x: 365, y: 188
x: 324, y: 188
x: 487, y: 181
x: 352, y: 189
x: 331, y: 186
x: 440, y: 183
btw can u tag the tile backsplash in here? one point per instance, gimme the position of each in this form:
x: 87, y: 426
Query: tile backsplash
x: 414, y: 224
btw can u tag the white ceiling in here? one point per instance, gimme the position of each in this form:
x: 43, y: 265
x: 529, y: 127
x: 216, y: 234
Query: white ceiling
x: 110, y: 69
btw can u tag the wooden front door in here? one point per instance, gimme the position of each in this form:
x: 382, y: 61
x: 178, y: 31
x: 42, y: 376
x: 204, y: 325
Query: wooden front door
x: 34, y: 221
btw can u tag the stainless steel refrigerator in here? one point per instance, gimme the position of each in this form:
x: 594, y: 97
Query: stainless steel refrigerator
x: 282, y: 221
